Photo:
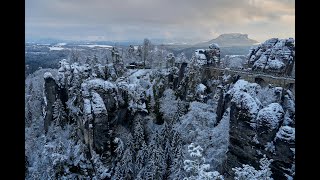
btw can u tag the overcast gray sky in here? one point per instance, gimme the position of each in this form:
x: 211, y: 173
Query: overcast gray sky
x: 174, y: 19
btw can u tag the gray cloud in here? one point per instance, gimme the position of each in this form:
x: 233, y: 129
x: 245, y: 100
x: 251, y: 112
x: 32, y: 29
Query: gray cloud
x: 136, y: 19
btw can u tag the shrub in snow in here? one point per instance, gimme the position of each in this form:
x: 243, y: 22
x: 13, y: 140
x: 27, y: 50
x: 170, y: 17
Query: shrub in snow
x: 59, y: 114
x: 270, y: 147
x: 196, y: 168
x: 247, y: 172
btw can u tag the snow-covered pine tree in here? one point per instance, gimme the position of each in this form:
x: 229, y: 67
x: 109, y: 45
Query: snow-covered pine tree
x: 176, y: 155
x: 155, y: 168
x: 125, y: 168
x: 95, y: 59
x: 138, y: 133
x: 127, y: 164
x: 146, y: 48
x: 88, y: 60
x: 141, y: 158
x: 59, y: 113
x: 194, y: 78
x: 169, y: 106
x: 119, y: 148
x: 118, y: 172
x: 247, y: 172
x: 166, y: 133
x: 195, y: 168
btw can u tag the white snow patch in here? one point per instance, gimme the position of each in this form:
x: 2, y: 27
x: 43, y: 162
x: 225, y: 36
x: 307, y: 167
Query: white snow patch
x: 97, y: 103
x: 96, y: 45
x: 201, y: 88
x: 61, y: 44
x: 56, y: 48
x: 47, y: 75
x: 87, y: 106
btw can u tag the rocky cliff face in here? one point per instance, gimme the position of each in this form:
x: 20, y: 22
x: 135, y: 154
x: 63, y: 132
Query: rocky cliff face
x: 275, y: 56
x: 98, y: 99
x: 51, y: 91
x: 259, y: 127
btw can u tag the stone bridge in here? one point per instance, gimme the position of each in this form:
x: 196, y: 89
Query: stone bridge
x: 259, y: 78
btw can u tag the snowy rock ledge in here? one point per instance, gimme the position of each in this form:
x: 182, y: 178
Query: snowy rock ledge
x: 47, y: 75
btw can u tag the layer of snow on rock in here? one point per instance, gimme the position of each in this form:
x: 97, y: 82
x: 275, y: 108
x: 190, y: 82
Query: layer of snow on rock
x: 261, y: 62
x: 244, y: 101
x: 96, y: 83
x: 270, y: 115
x: 100, y: 84
x: 97, y: 104
x: 244, y: 96
x: 47, y: 75
x: 87, y: 106
x: 85, y: 90
x: 213, y: 45
x: 108, y: 85
x: 275, y: 64
x: 242, y: 85
x: 286, y: 133
x: 135, y: 76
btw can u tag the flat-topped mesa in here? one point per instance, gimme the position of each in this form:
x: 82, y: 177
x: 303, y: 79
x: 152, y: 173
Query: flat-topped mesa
x: 274, y: 56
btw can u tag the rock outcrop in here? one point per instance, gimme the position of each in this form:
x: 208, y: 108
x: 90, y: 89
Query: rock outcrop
x: 98, y: 99
x: 257, y: 130
x: 50, y: 95
x: 274, y: 56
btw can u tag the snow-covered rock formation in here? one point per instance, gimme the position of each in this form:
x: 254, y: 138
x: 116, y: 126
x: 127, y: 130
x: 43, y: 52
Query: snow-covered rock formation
x: 104, y: 121
x: 260, y: 126
x: 276, y: 56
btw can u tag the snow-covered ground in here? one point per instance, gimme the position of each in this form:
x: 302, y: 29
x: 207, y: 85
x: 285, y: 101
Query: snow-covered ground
x: 54, y: 48
x: 96, y: 45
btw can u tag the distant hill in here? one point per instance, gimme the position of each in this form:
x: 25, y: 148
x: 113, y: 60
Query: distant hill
x: 228, y: 40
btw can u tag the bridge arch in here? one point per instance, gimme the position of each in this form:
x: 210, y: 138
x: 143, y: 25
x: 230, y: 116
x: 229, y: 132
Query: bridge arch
x: 259, y: 80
